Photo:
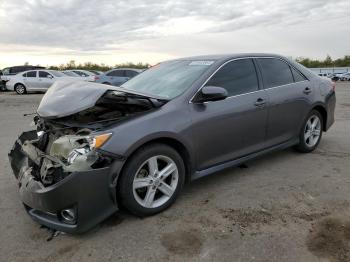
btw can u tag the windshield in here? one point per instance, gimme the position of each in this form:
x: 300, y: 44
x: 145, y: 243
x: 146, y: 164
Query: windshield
x: 56, y: 73
x: 168, y: 79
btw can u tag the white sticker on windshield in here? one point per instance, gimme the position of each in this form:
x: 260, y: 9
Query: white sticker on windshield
x: 201, y: 63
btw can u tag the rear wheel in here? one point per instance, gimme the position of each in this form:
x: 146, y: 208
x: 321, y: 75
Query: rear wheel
x: 311, y: 132
x: 151, y: 180
x: 20, y: 89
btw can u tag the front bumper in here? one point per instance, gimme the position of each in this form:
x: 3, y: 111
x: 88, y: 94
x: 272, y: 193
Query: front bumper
x: 91, y: 193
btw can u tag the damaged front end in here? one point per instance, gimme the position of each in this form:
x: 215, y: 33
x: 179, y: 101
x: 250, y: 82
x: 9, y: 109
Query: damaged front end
x: 49, y: 158
x: 66, y: 181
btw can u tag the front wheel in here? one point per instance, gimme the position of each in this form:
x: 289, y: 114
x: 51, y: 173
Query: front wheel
x: 151, y: 180
x: 311, y: 132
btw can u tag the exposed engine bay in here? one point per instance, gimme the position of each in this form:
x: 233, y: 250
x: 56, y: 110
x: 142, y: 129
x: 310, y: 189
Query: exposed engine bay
x: 70, y: 143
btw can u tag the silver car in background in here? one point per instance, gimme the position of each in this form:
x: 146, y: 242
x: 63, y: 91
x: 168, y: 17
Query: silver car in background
x: 83, y: 73
x: 118, y: 76
x: 37, y: 80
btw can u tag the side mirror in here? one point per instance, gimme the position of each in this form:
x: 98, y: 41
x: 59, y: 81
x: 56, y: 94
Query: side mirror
x: 49, y: 76
x: 211, y: 93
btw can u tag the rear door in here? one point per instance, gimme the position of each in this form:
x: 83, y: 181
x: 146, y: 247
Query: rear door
x: 289, y: 95
x: 234, y: 127
x: 31, y: 80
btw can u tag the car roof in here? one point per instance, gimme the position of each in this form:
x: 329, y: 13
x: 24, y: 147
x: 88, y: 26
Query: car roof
x: 39, y: 69
x: 127, y: 68
x: 224, y: 57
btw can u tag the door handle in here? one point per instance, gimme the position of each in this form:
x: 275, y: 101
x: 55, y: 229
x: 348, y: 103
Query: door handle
x: 260, y: 102
x: 307, y: 90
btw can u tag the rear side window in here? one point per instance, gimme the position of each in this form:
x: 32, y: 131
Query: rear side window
x: 119, y: 73
x: 31, y: 74
x: 275, y: 72
x: 237, y: 77
x: 298, y: 77
x: 130, y: 73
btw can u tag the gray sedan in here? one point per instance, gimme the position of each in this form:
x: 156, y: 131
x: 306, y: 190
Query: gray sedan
x: 96, y: 147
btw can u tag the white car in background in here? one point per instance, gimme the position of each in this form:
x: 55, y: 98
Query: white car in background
x: 345, y: 77
x: 37, y: 80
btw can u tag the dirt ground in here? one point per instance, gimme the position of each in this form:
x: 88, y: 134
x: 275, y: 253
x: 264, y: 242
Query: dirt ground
x: 285, y: 206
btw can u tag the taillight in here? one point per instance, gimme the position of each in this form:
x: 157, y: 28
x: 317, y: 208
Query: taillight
x: 96, y: 78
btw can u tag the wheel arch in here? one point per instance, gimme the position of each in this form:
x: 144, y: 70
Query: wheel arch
x: 19, y: 83
x: 322, y: 110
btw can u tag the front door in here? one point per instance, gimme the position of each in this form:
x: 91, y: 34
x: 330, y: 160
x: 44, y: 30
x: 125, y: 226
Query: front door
x: 231, y: 128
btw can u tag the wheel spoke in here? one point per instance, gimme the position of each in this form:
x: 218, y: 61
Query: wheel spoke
x: 317, y: 132
x: 166, y: 171
x: 166, y: 189
x: 153, y: 165
x: 314, y: 123
x: 141, y: 182
x: 307, y: 135
x: 311, y: 140
x: 308, y: 125
x: 148, y: 201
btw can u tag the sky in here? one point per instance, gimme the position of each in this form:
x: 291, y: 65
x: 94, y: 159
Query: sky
x: 50, y: 32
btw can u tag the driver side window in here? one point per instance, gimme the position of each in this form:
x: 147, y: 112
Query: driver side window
x: 237, y: 77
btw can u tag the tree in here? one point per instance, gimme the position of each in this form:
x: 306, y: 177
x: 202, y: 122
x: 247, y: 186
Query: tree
x: 327, y: 62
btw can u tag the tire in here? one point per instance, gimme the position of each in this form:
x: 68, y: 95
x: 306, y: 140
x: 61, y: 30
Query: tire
x: 20, y: 89
x: 310, y: 135
x: 142, y: 193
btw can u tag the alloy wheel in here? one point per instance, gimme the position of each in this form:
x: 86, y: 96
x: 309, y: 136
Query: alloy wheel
x: 312, y: 131
x: 155, y: 181
x: 20, y: 89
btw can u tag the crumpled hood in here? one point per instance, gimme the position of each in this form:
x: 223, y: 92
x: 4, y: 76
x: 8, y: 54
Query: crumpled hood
x: 65, y: 98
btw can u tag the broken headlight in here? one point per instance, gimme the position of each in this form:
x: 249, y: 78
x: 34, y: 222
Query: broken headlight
x: 77, y: 151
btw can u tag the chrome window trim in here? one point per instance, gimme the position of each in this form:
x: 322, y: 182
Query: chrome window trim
x: 248, y: 57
